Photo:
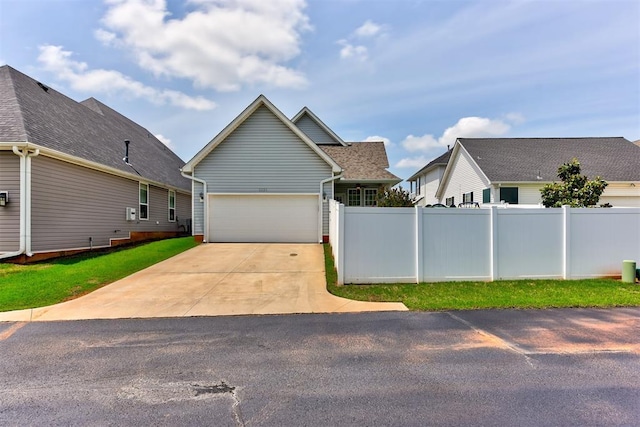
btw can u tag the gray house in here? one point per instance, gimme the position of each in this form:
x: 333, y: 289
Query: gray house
x: 67, y: 182
x: 265, y: 178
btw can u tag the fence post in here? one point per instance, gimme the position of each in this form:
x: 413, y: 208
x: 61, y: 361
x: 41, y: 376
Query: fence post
x: 566, y: 242
x: 419, y: 239
x: 340, y: 242
x: 493, y: 241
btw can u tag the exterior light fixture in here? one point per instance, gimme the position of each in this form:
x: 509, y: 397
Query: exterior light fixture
x: 201, y: 197
x: 4, y: 198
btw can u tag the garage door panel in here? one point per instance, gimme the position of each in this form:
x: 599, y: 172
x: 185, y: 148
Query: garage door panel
x: 263, y: 218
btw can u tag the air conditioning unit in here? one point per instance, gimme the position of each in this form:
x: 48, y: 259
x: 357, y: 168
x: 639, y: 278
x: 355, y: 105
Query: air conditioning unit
x: 131, y: 214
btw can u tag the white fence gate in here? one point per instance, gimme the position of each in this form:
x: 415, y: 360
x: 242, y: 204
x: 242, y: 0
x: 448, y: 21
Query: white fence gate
x: 389, y: 245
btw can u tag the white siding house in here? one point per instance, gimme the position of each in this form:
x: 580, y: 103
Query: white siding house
x: 513, y: 170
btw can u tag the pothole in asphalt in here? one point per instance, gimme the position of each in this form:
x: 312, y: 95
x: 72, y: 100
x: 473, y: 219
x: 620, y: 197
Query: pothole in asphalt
x: 212, y: 389
x: 153, y: 391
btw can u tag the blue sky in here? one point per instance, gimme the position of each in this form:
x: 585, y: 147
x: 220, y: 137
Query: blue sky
x: 416, y: 74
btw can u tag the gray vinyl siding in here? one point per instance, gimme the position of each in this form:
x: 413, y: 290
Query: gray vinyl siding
x: 198, y: 209
x: 313, y: 131
x: 71, y: 204
x: 10, y: 214
x: 261, y: 156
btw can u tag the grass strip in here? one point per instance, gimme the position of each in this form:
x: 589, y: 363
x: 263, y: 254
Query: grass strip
x: 46, y: 283
x: 598, y: 293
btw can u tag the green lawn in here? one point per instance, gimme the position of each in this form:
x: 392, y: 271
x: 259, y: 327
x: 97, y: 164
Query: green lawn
x: 498, y: 294
x: 41, y: 284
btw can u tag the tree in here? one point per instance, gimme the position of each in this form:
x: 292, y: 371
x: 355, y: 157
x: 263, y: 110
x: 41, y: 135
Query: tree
x: 394, y: 198
x: 575, y: 190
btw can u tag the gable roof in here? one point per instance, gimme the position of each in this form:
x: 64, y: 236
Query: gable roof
x: 308, y: 113
x: 538, y: 159
x: 362, y: 161
x: 441, y: 160
x: 259, y: 101
x: 88, y: 132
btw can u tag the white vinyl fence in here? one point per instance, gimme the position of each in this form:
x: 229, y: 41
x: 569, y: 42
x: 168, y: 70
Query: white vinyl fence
x: 409, y: 245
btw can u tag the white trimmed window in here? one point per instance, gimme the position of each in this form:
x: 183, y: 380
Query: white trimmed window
x: 371, y: 197
x: 172, y: 206
x: 144, y: 201
x: 353, y: 197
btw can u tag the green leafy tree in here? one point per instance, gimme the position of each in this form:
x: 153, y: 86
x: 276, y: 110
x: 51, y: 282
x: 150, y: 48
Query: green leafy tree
x: 394, y: 198
x: 575, y: 190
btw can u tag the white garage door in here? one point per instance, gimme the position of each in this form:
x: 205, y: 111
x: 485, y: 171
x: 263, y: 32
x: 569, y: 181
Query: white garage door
x: 281, y: 218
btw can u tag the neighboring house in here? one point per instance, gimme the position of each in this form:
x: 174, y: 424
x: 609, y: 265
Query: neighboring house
x: 513, y: 170
x: 265, y: 178
x: 637, y: 143
x: 424, y: 183
x: 65, y: 182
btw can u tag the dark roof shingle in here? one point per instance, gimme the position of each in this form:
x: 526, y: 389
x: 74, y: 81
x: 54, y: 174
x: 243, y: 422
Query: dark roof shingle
x: 529, y: 159
x: 89, y: 130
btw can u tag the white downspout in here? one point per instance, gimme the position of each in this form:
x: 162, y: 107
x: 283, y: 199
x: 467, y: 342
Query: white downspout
x: 322, y: 183
x: 22, y: 244
x: 205, y: 201
x: 27, y: 177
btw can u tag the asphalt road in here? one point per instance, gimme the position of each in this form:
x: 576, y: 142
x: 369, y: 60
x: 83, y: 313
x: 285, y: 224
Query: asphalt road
x: 524, y: 368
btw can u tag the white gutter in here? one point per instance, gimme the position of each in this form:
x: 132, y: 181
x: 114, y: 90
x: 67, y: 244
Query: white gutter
x: 22, y: 246
x: 322, y: 183
x: 204, y: 207
x: 27, y: 177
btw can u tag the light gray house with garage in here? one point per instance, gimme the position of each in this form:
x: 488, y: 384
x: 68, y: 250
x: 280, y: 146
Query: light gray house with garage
x: 266, y: 178
x: 67, y: 183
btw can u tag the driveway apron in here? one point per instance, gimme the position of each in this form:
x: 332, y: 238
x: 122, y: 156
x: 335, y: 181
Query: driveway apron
x: 211, y: 280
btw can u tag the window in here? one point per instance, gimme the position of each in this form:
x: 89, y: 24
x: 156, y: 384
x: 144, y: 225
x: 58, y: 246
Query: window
x: 486, y: 195
x: 144, y: 201
x: 467, y: 197
x: 509, y: 195
x: 353, y: 197
x: 418, y: 187
x: 172, y: 206
x: 450, y: 201
x: 370, y: 197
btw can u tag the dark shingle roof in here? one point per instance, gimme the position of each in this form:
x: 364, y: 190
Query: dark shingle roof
x: 441, y: 160
x: 362, y: 160
x: 89, y: 130
x: 526, y: 159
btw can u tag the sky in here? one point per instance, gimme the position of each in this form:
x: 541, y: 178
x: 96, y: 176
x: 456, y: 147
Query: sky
x: 415, y: 74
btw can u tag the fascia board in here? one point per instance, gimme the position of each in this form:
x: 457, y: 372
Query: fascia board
x: 58, y: 155
x: 261, y: 100
x: 458, y: 148
x: 316, y: 119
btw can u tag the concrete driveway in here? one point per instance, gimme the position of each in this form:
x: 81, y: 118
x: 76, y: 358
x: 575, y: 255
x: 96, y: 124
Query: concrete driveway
x: 211, y: 280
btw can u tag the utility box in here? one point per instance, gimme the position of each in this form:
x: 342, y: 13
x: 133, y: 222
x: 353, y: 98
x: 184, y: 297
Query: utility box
x: 131, y: 214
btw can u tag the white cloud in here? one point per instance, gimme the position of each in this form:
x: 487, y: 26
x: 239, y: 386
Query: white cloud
x: 473, y: 127
x: 166, y: 141
x: 387, y: 141
x: 81, y: 78
x: 466, y: 127
x: 349, y: 50
x: 220, y: 44
x: 412, y: 162
x: 357, y: 50
x: 420, y: 143
x: 368, y: 29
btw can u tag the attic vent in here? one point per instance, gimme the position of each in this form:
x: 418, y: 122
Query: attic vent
x: 43, y: 87
x: 126, y: 151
